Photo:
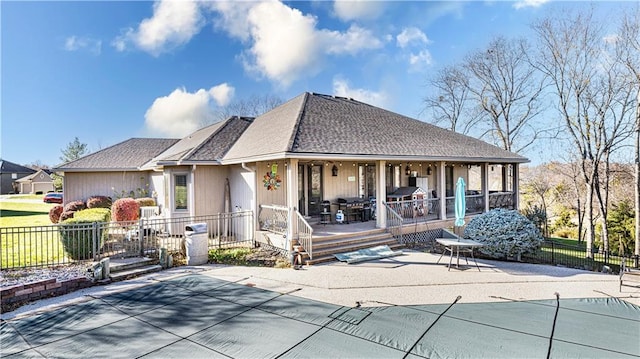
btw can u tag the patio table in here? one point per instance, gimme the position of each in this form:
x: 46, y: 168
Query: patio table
x: 457, y: 245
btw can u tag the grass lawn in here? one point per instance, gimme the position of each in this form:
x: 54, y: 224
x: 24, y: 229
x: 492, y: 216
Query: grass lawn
x: 17, y: 247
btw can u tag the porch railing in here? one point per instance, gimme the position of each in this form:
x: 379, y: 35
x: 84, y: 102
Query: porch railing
x: 423, y: 209
x: 304, y: 233
x: 501, y: 200
x: 60, y: 244
x: 273, y: 218
x: 394, y: 223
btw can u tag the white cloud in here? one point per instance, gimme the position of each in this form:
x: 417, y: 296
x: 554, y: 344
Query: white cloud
x: 77, y: 43
x: 411, y: 35
x: 420, y: 61
x: 173, y: 23
x: 529, y: 3
x: 283, y: 43
x: 222, y: 94
x: 347, y: 10
x: 181, y: 112
x: 353, y: 41
x: 341, y: 88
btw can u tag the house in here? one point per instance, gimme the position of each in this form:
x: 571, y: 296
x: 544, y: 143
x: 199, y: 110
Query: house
x: 9, y: 173
x: 36, y: 183
x: 311, y: 149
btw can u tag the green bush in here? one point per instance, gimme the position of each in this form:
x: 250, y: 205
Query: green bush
x: 504, y: 233
x: 567, y: 232
x: 235, y: 256
x: 77, y: 233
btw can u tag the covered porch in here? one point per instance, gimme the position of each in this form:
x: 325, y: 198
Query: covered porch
x: 312, y: 201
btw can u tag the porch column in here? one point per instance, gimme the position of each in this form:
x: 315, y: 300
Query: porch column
x: 485, y: 185
x: 381, y: 193
x: 516, y: 187
x: 292, y: 194
x: 442, y: 191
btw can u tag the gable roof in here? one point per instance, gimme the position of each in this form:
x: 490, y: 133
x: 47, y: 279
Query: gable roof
x: 10, y: 167
x: 313, y: 125
x: 205, y: 146
x: 31, y: 177
x: 127, y: 155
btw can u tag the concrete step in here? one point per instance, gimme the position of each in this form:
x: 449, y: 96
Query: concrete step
x: 123, y: 264
x: 134, y: 272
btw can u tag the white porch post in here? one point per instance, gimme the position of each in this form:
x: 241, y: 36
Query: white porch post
x: 442, y: 191
x: 292, y: 195
x: 381, y: 192
x: 516, y: 187
x: 485, y: 185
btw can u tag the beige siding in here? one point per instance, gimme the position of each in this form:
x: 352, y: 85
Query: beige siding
x: 209, y: 183
x: 265, y: 196
x: 81, y: 185
x: 340, y: 186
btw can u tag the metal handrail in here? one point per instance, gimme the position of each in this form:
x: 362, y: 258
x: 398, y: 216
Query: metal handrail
x: 305, y: 233
x: 394, y: 223
x: 273, y: 218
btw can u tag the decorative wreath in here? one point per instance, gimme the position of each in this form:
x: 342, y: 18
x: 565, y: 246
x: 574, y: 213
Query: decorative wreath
x: 271, y: 181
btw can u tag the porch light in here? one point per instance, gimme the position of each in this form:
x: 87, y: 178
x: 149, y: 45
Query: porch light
x: 407, y: 170
x: 334, y: 171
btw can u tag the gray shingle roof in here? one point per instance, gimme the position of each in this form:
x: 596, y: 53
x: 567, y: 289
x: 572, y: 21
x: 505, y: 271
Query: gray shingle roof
x: 10, y: 167
x: 321, y: 124
x: 128, y: 155
x: 208, y: 144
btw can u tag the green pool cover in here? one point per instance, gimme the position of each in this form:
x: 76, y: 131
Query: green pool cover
x: 197, y: 316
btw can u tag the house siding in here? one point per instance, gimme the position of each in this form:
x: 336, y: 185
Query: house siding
x: 208, y: 187
x: 82, y: 185
x: 274, y: 197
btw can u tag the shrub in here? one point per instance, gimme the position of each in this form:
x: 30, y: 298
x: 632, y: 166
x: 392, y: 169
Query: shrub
x: 504, y: 233
x: 146, y: 201
x: 66, y: 215
x: 77, y: 233
x: 74, y: 206
x: 125, y: 209
x: 567, y: 232
x: 99, y: 202
x: 55, y: 212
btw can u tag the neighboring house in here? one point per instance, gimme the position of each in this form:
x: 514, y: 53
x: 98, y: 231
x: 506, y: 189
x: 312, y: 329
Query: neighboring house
x: 9, y: 173
x: 36, y: 183
x: 311, y: 149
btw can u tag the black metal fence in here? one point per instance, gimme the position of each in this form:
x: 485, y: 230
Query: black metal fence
x: 555, y: 253
x: 43, y: 246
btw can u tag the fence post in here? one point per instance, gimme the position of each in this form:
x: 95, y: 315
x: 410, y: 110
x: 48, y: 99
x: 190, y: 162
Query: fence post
x: 553, y: 253
x: 636, y: 258
x: 141, y: 236
x: 94, y: 240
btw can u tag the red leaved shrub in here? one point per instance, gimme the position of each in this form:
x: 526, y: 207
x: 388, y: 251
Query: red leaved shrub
x: 66, y: 215
x: 55, y: 212
x: 74, y: 206
x: 99, y: 202
x: 125, y: 209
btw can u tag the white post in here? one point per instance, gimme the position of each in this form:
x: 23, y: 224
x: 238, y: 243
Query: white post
x: 485, y: 185
x: 381, y: 193
x: 516, y: 186
x: 292, y: 197
x: 442, y: 191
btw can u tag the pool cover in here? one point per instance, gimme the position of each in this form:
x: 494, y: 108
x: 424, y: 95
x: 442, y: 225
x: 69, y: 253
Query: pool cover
x: 197, y: 316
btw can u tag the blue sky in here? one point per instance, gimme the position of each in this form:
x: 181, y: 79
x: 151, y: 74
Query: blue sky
x: 108, y: 71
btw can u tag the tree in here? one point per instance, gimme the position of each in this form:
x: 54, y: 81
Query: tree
x: 250, y: 107
x: 450, y: 102
x: 73, y: 151
x: 629, y: 54
x: 508, y: 90
x: 593, y: 100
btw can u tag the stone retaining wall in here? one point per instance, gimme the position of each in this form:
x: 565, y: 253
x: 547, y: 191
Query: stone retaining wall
x: 18, y: 295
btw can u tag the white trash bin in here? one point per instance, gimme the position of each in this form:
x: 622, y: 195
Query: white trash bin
x: 196, y: 239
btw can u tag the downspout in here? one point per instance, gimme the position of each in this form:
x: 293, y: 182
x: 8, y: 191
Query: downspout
x: 192, y: 196
x: 255, y: 197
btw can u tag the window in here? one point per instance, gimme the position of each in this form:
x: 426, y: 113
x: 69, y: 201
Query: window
x: 180, y: 192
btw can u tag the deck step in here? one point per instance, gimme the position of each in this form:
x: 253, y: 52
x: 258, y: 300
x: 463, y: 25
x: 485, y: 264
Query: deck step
x: 118, y: 264
x: 134, y: 272
x: 325, y: 248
